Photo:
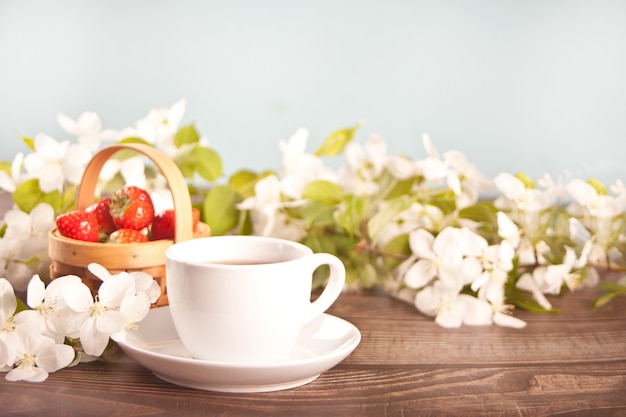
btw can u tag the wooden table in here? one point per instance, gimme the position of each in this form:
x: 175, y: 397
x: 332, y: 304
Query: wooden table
x: 568, y: 364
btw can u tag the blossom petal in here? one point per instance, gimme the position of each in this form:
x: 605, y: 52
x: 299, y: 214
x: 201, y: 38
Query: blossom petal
x: 527, y: 282
x: 507, y: 320
x: 427, y: 301
x: 4, y: 354
x: 421, y: 243
x: 53, y: 357
x: 419, y: 274
x: 8, y: 302
x: 27, y: 373
x: 78, y: 296
x: 110, y: 322
x: 113, y: 290
x: 67, y: 123
x: 449, y: 318
x: 475, y: 312
x: 6, y: 182
x: 509, y: 185
x: 94, y: 342
x: 99, y: 271
x: 36, y: 292
x: 582, y: 192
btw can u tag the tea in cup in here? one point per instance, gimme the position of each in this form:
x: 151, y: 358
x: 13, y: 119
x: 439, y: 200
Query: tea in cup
x: 245, y: 299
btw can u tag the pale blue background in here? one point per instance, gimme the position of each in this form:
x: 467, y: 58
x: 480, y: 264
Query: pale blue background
x: 534, y: 85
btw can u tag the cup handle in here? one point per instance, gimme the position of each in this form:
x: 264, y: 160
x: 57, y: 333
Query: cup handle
x: 333, y: 288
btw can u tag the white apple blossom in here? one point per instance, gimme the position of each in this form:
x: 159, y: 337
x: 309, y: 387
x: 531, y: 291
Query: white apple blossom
x: 619, y: 190
x: 299, y: 167
x: 24, y: 247
x: 8, y: 337
x: 10, y: 182
x: 529, y: 209
x: 38, y: 355
x: 503, y: 313
x: 491, y: 262
x: 33, y: 341
x: 433, y: 257
x: 14, y: 255
x: 364, y: 164
x: 88, y: 129
x: 526, y: 206
x: 600, y: 214
x: 55, y: 163
x: 266, y: 207
x: 455, y: 171
x: 51, y: 308
x: 451, y: 308
x: 417, y: 216
x: 550, y: 279
x: 401, y: 167
x: 160, y: 125
x: 104, y: 317
x: 143, y: 290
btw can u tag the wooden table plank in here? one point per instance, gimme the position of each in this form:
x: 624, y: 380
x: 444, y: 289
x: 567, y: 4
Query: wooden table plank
x: 570, y: 364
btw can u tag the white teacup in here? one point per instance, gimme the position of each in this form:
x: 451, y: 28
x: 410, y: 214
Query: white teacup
x: 245, y: 299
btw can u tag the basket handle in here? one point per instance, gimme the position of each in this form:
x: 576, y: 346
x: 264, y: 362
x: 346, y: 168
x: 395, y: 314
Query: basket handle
x: 175, y: 180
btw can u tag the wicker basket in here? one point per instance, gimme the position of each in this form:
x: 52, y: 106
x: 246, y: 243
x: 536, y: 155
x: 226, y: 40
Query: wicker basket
x: 71, y: 257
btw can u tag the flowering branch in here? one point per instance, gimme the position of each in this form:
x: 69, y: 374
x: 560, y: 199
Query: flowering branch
x: 416, y: 227
x: 64, y: 324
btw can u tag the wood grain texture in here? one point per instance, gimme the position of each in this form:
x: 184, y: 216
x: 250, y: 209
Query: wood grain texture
x: 567, y: 364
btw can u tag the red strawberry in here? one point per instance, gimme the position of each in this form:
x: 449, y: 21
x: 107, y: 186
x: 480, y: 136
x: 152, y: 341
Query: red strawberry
x: 101, y: 209
x: 78, y: 224
x: 132, y: 208
x: 127, y: 236
x: 164, y: 223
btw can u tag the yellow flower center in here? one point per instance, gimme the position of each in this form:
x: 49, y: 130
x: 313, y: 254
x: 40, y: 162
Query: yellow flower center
x: 27, y: 361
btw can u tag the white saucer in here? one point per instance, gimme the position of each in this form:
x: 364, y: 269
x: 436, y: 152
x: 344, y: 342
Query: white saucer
x: 322, y: 344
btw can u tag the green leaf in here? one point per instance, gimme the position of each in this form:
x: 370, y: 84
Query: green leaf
x: 609, y: 286
x: 531, y: 305
x: 387, y: 214
x: 135, y: 139
x: 245, y: 223
x: 391, y: 187
x: 485, y: 214
x: 603, y: 300
x: 526, y: 180
x: 402, y: 187
x: 350, y: 213
x: 320, y: 243
x: 316, y: 213
x: 28, y: 194
x: 598, y: 186
x: 186, y: 135
x: 6, y: 167
x: 396, y: 251
x: 220, y: 211
x: 29, y: 142
x: 208, y: 163
x: 323, y: 191
x: 187, y: 167
x: 21, y: 306
x: 368, y: 275
x: 124, y: 154
x: 337, y: 141
x: 445, y: 201
x: 244, y: 181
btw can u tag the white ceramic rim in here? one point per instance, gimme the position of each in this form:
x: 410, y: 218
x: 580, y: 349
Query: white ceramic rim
x: 172, y: 252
